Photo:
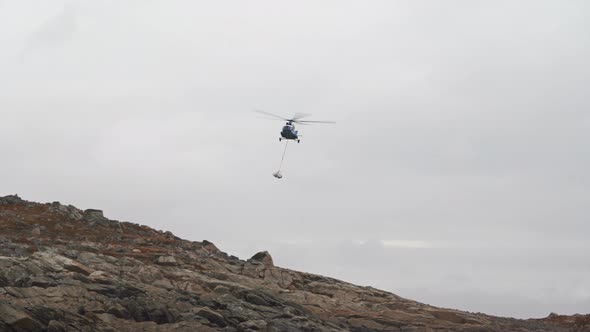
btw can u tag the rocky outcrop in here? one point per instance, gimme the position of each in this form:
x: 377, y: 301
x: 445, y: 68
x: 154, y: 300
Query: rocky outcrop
x: 264, y: 258
x: 11, y: 200
x: 63, y: 269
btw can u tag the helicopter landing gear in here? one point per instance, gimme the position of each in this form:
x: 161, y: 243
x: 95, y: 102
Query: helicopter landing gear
x: 280, y: 139
x: 298, y: 141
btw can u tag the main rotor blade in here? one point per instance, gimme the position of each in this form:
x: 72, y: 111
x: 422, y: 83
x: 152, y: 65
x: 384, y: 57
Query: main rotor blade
x: 304, y: 122
x: 299, y: 116
x: 266, y: 118
x: 273, y: 115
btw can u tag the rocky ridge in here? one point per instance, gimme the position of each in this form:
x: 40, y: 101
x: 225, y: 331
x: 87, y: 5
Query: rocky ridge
x: 64, y: 269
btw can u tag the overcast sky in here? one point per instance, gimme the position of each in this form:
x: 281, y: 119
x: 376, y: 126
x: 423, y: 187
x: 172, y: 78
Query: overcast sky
x: 457, y: 174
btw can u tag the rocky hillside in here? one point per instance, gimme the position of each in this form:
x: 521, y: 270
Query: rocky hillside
x: 64, y: 269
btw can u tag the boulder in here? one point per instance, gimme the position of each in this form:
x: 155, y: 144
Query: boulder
x: 263, y: 257
x: 17, y: 320
x: 55, y: 326
x: 167, y: 261
x: 212, y: 316
x: 93, y: 213
x: 94, y: 216
x: 36, y: 231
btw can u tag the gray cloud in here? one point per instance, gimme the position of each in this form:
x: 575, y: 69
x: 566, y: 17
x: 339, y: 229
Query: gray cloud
x: 461, y: 135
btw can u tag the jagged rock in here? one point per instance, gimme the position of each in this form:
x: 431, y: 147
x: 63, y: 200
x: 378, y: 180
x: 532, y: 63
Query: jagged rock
x: 258, y: 266
x: 256, y: 299
x: 17, y: 320
x: 101, y: 277
x: 69, y: 211
x: 58, y: 263
x: 56, y: 326
x: 263, y: 257
x: 43, y: 282
x: 94, y: 214
x: 213, y: 317
x: 94, y: 217
x: 252, y: 325
x: 210, y: 247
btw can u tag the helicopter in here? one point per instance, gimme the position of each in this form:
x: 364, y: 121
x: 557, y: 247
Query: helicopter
x: 289, y: 132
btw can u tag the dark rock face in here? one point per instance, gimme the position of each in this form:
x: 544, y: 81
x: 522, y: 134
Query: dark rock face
x: 63, y: 269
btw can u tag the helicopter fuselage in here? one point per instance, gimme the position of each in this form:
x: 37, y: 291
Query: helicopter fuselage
x: 289, y: 132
